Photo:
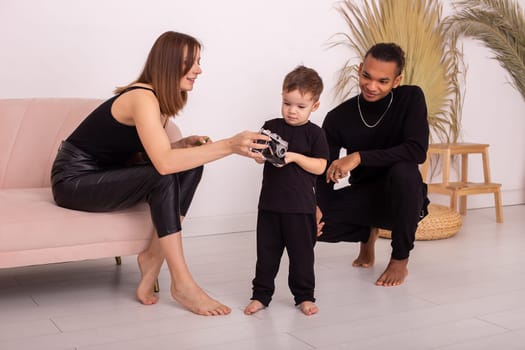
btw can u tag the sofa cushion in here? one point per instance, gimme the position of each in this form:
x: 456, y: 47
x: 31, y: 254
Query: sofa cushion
x: 30, y: 219
x: 33, y: 229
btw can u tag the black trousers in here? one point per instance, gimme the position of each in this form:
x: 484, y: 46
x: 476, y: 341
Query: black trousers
x: 396, y: 201
x: 296, y: 233
x: 79, y: 182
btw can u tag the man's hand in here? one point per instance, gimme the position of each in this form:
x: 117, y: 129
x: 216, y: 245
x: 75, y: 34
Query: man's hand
x: 342, y: 166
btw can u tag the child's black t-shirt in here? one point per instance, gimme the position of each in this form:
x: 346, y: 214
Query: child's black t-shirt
x: 290, y: 189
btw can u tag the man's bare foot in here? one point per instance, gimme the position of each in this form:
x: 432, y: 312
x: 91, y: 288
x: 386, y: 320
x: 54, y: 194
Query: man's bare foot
x: 253, y: 307
x: 149, y: 272
x: 308, y: 308
x: 193, y: 298
x: 395, y: 273
x: 366, y: 256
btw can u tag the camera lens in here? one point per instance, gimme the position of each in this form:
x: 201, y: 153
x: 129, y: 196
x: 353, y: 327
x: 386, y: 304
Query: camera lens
x: 280, y: 151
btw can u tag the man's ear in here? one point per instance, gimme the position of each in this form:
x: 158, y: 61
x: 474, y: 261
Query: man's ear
x: 397, y: 80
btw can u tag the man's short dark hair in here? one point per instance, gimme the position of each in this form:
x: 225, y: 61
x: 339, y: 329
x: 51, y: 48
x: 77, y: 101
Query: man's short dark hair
x: 388, y: 52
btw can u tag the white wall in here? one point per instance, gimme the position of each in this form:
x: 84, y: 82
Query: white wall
x: 61, y: 48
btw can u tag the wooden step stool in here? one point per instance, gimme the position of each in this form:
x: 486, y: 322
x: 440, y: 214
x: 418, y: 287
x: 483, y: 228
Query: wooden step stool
x: 462, y: 188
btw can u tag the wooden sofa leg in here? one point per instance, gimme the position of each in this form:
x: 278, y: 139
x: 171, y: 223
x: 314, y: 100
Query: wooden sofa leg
x: 156, y: 287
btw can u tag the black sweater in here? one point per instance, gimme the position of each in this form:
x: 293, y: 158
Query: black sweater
x: 401, y: 136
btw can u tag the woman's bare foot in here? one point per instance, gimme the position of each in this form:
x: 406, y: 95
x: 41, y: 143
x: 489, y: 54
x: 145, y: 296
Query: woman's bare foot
x: 366, y: 256
x: 253, y: 307
x: 395, y: 273
x: 308, y: 308
x: 193, y: 298
x: 149, y: 271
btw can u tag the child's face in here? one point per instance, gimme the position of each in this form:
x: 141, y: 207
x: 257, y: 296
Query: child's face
x: 296, y: 108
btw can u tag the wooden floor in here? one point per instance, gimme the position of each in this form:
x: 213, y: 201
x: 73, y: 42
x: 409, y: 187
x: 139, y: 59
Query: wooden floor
x: 466, y: 292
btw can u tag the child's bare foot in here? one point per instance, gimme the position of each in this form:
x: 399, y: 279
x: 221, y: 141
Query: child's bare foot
x: 193, y: 298
x: 308, y: 308
x: 253, y: 307
x: 395, y: 273
x: 149, y: 272
x: 366, y: 256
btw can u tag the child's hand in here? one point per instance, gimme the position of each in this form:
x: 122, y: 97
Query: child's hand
x: 290, y: 157
x: 318, y: 217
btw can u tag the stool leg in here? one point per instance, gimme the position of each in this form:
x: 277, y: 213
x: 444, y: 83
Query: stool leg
x: 454, y: 201
x: 486, y: 165
x: 464, y: 181
x: 499, y: 210
x: 463, y: 205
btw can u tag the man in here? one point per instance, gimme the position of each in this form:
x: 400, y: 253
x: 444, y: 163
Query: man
x: 385, y: 133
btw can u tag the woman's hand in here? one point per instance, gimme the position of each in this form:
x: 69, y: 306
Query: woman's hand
x: 341, y: 167
x: 260, y: 160
x: 245, y: 144
x: 191, y: 141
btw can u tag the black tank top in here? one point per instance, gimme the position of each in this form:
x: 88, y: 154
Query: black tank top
x: 106, y: 139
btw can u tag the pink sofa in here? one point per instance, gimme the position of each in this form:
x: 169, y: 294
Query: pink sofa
x: 33, y: 229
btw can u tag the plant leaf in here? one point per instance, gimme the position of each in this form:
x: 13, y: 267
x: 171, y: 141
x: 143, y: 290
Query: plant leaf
x: 433, y: 60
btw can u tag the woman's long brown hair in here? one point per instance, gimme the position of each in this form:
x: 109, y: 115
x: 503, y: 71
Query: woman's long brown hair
x: 164, y: 68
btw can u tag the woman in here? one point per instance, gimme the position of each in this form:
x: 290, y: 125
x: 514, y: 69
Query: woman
x: 96, y: 168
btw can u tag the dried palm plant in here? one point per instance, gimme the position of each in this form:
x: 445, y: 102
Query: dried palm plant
x: 500, y: 26
x: 433, y: 60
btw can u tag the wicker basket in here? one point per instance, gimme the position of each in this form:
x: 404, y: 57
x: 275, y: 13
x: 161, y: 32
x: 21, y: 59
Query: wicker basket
x: 441, y: 222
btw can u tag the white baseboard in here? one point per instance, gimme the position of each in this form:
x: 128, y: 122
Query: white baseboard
x: 210, y: 225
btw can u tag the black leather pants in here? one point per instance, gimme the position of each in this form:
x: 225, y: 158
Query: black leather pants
x: 79, y: 182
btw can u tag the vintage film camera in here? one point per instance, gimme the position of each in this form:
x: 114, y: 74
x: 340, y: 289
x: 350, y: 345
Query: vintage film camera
x: 276, y: 149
